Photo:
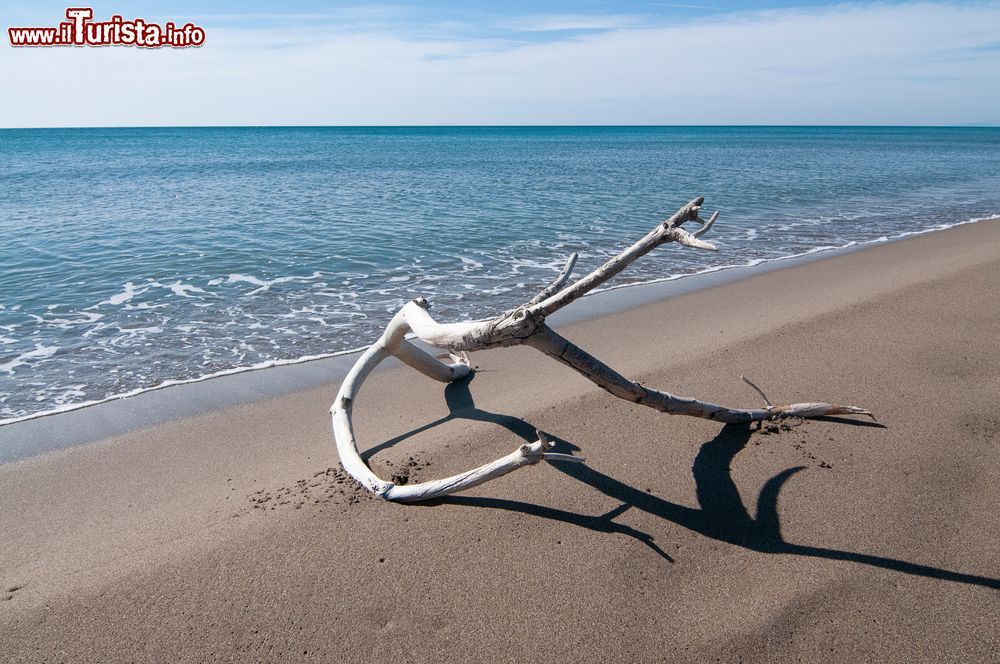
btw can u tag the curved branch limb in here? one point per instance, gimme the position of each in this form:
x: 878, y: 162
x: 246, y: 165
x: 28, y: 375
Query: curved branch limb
x: 557, y: 283
x: 681, y: 236
x: 507, y: 330
x: 393, y: 342
x: 706, y: 225
x: 758, y: 390
x: 558, y: 347
x: 525, y: 455
x: 659, y: 235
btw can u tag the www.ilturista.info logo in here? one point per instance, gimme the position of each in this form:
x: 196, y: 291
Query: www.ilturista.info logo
x: 80, y: 30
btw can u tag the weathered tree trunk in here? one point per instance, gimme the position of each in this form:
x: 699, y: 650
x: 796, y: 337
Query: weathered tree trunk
x: 526, y: 325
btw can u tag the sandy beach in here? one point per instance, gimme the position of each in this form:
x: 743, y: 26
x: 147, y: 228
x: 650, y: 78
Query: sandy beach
x: 233, y: 536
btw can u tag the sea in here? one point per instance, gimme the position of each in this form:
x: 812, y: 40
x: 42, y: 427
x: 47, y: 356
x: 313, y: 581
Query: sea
x: 131, y: 259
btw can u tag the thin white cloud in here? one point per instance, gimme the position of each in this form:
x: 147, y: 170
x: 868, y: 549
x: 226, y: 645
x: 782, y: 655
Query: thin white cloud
x: 564, y: 22
x: 928, y: 63
x: 357, y: 15
x: 680, y: 6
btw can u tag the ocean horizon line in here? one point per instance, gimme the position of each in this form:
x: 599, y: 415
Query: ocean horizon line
x: 984, y: 125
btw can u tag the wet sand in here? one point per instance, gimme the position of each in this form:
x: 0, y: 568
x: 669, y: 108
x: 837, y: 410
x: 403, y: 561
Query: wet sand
x: 233, y: 536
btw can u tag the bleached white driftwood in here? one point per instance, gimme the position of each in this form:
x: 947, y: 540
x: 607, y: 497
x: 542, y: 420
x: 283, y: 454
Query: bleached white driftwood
x: 526, y: 325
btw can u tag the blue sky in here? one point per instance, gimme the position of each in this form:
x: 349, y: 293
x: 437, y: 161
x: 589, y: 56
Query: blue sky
x: 575, y: 62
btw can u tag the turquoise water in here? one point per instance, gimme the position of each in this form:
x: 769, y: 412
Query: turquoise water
x: 135, y: 257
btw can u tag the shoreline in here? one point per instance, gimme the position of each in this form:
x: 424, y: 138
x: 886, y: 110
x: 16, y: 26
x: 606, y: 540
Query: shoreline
x: 79, y: 424
x: 233, y: 535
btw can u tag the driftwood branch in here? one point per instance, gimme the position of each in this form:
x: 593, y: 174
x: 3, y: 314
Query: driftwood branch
x: 557, y: 283
x: 526, y: 325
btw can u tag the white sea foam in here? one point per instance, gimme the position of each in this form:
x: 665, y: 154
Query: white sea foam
x: 469, y: 263
x: 87, y: 317
x: 130, y: 291
x: 178, y: 288
x: 40, y: 352
x: 244, y: 278
x: 127, y: 294
x: 132, y: 332
x: 262, y: 284
x: 70, y: 393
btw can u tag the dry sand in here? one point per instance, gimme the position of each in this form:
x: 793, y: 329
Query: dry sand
x: 231, y: 536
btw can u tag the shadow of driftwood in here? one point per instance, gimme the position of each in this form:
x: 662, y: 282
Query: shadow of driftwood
x: 461, y: 407
x: 721, y: 514
x: 848, y: 420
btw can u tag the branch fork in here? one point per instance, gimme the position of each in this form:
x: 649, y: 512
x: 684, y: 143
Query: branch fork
x: 525, y: 325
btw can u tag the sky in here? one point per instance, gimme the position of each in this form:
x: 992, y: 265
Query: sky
x: 579, y: 62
